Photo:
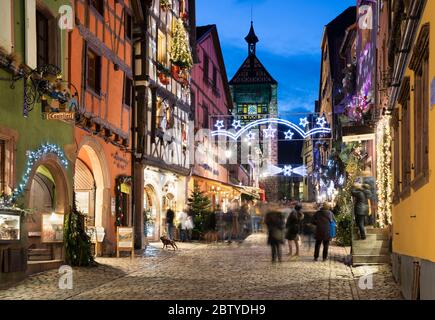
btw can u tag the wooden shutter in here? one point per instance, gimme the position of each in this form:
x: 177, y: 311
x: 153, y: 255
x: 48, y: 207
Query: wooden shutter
x: 396, y: 156
x: 405, y: 138
x: 30, y: 33
x: 6, y: 34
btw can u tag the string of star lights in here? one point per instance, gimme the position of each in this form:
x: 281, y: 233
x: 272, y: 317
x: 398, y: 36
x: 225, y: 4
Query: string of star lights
x: 384, y: 180
x: 33, y: 157
x: 321, y: 128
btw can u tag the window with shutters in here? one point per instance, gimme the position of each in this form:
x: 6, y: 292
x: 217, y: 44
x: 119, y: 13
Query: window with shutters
x: 2, y: 166
x: 420, y: 65
x: 47, y: 37
x: 128, y: 27
x: 7, y: 147
x: 128, y: 85
x: 42, y: 39
x: 205, y: 117
x: 162, y: 53
x: 396, y: 157
x: 94, y: 71
x: 405, y: 115
x: 206, y: 69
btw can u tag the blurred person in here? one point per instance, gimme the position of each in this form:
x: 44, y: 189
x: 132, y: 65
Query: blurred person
x: 182, y: 219
x: 189, y: 225
x: 170, y: 215
x: 275, y: 225
x: 293, y: 226
x: 220, y: 222
x: 361, y: 194
x: 229, y: 224
x: 322, y: 219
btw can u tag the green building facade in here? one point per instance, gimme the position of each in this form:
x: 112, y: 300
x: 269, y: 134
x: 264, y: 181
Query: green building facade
x: 36, y: 149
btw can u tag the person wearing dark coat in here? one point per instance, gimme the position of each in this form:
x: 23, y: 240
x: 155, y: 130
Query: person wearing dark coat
x: 361, y: 195
x: 274, y: 221
x: 322, y: 219
x: 293, y: 226
x: 170, y: 214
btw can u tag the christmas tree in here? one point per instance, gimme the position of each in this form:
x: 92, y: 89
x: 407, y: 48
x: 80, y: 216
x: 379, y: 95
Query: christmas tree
x: 199, y: 205
x: 77, y: 242
x: 180, y: 49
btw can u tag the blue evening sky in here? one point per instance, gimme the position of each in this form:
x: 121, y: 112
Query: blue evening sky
x: 290, y: 32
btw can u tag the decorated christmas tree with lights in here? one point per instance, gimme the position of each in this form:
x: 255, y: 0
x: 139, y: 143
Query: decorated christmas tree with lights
x: 181, y: 55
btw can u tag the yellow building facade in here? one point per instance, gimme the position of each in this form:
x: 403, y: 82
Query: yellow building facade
x: 413, y: 124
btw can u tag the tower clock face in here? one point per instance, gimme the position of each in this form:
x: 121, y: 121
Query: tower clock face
x: 252, y: 109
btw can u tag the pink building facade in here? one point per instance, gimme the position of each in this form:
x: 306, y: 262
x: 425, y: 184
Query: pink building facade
x: 211, y: 99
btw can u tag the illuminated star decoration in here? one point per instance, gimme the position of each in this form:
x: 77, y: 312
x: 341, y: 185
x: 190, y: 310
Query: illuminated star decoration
x: 251, y: 135
x: 219, y: 124
x: 321, y: 122
x: 269, y: 132
x: 288, y: 170
x: 289, y: 135
x: 304, y: 122
x: 237, y: 124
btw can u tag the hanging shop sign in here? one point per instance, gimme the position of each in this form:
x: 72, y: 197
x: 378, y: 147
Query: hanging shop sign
x: 124, y: 240
x: 125, y: 188
x: 52, y: 228
x: 64, y: 116
x: 10, y: 228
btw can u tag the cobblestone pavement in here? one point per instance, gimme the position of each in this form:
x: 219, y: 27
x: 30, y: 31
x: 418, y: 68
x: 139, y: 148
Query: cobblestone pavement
x: 213, y: 271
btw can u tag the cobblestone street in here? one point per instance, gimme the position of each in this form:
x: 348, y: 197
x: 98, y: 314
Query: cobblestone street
x: 213, y: 271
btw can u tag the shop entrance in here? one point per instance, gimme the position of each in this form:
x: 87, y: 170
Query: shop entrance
x: 48, y: 199
x: 151, y: 214
x: 89, y: 186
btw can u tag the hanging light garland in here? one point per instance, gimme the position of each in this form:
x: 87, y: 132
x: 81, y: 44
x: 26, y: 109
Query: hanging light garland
x: 384, y: 173
x: 33, y: 157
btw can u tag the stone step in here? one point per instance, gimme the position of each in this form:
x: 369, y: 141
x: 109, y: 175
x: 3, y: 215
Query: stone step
x: 370, y: 244
x: 370, y: 251
x: 362, y: 259
x: 376, y: 231
x: 372, y: 237
x: 39, y: 254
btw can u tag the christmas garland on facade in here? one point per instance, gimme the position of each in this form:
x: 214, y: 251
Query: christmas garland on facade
x: 384, y: 174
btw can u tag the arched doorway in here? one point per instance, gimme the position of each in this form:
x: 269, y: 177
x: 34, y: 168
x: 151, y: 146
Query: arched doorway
x: 48, y: 196
x: 92, y: 184
x: 152, y: 212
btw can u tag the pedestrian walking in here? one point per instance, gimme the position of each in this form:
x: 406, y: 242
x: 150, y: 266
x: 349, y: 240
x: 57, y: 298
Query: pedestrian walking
x: 229, y: 225
x: 170, y: 214
x: 189, y: 227
x: 274, y: 221
x: 323, y: 219
x: 182, y: 219
x: 220, y: 223
x: 361, y: 194
x: 242, y: 220
x: 293, y: 226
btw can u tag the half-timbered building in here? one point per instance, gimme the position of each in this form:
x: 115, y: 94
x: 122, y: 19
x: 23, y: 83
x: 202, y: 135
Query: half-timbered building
x: 165, y: 35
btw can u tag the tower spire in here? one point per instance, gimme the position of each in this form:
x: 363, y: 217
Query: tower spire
x: 251, y: 39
